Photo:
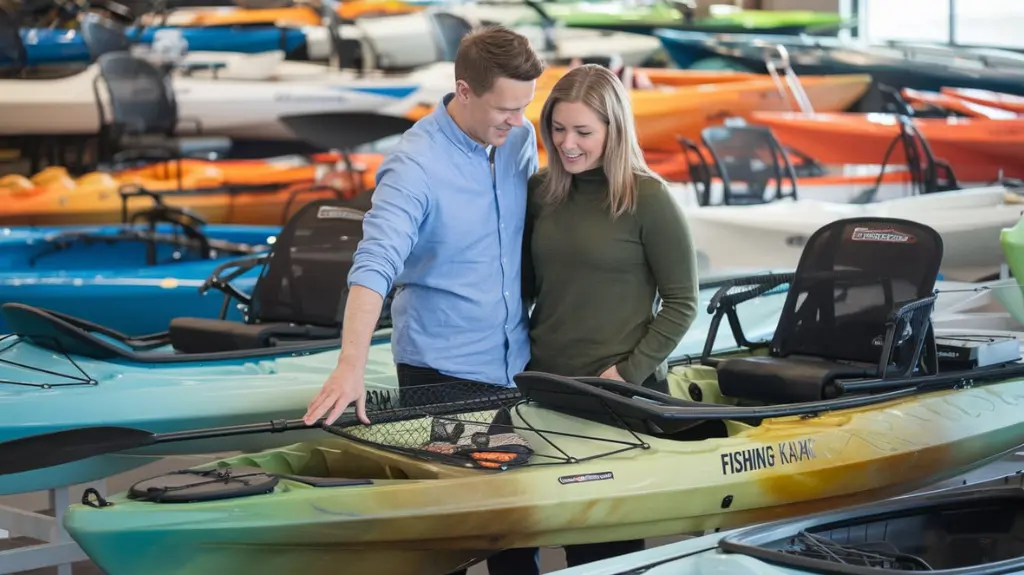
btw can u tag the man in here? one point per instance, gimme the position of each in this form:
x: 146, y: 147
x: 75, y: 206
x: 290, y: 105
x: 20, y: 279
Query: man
x: 446, y: 228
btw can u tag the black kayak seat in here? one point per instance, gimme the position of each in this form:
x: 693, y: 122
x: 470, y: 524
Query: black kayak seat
x: 203, y: 335
x: 858, y: 307
x: 301, y: 290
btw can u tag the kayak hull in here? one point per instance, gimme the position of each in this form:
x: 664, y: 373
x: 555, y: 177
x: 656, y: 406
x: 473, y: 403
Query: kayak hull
x: 252, y: 192
x: 932, y: 69
x: 978, y: 149
x: 44, y: 46
x: 111, y: 284
x: 968, y: 220
x: 159, y: 398
x: 676, y: 108
x: 422, y: 517
x: 243, y: 101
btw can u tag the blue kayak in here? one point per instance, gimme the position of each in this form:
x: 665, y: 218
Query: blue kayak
x: 927, y: 68
x: 105, y: 274
x: 45, y: 46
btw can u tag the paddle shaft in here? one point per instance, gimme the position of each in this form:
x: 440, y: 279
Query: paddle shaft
x: 275, y: 426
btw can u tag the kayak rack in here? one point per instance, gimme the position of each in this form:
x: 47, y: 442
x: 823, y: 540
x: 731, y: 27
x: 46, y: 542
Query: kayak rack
x: 775, y: 57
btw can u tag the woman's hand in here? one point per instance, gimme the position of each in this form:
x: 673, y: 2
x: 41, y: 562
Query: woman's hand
x: 612, y: 373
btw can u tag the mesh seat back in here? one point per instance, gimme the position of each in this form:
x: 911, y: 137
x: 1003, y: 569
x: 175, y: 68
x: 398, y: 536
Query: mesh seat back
x: 750, y: 162
x: 103, y: 36
x: 13, y: 56
x: 141, y: 96
x: 305, y: 280
x: 853, y: 273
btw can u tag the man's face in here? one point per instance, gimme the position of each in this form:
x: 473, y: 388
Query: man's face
x: 493, y: 114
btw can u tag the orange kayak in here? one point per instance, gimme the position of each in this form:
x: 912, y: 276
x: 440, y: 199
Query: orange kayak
x: 679, y: 108
x: 298, y: 15
x: 664, y: 113
x: 261, y: 192
x: 1009, y: 102
x: 976, y: 148
x: 658, y: 77
x: 922, y: 101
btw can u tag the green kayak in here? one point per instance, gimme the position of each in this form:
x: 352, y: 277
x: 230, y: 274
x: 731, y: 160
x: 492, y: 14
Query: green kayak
x: 644, y: 19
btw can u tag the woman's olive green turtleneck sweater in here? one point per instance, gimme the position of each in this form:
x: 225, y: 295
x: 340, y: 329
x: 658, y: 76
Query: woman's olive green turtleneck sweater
x: 593, y: 280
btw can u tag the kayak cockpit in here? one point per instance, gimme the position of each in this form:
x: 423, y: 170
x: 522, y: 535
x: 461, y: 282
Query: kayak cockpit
x: 974, y: 529
x: 297, y: 304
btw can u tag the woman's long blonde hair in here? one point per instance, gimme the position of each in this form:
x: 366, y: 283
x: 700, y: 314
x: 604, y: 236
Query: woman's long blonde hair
x: 623, y: 160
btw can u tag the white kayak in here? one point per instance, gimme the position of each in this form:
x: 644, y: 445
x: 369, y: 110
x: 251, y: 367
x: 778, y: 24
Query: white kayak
x: 244, y: 99
x: 404, y: 36
x: 773, y: 234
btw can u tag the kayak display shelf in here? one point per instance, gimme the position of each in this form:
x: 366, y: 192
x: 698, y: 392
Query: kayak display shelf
x: 870, y: 401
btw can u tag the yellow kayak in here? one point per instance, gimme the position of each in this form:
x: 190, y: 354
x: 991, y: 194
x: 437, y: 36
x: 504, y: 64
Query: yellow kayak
x: 446, y: 477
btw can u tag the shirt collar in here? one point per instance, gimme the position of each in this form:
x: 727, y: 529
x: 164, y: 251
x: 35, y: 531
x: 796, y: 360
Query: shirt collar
x: 453, y: 132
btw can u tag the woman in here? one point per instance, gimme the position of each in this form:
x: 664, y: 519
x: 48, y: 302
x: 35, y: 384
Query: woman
x: 603, y: 239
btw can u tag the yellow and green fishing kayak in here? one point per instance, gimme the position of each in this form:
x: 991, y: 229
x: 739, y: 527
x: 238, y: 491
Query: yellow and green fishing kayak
x: 405, y: 513
x: 739, y: 437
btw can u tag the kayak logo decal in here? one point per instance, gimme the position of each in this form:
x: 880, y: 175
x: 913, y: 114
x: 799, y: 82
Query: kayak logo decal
x: 768, y: 456
x: 884, y: 235
x: 338, y: 213
x: 585, y: 477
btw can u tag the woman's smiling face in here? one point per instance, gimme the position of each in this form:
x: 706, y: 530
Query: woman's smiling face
x: 579, y: 134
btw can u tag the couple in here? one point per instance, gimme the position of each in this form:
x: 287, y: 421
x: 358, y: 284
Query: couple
x: 473, y: 235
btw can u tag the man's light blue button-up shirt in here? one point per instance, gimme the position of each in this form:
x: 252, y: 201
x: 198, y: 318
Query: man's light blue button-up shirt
x: 449, y: 238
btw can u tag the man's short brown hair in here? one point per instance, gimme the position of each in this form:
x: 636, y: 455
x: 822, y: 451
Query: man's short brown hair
x: 493, y: 52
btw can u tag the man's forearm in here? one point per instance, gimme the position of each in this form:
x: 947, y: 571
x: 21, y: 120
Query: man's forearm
x: 362, y: 313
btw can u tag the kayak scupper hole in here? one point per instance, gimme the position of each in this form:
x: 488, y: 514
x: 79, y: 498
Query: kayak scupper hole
x: 696, y: 393
x: 727, y: 502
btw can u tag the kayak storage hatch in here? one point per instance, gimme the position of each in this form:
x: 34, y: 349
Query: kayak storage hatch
x: 856, y: 397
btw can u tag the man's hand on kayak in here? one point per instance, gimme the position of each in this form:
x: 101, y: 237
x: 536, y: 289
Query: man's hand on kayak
x: 344, y: 386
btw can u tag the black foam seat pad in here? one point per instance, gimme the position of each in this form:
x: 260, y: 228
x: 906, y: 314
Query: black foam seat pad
x: 792, y: 379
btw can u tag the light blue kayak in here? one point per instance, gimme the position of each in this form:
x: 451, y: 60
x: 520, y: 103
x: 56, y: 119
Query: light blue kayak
x: 45, y: 46
x: 966, y: 530
x: 105, y: 275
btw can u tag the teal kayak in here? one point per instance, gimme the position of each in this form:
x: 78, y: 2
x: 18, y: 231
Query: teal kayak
x: 60, y: 372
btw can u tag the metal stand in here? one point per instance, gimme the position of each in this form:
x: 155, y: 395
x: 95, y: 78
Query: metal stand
x: 58, y: 549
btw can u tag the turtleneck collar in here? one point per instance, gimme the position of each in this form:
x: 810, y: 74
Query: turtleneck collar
x: 589, y: 179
